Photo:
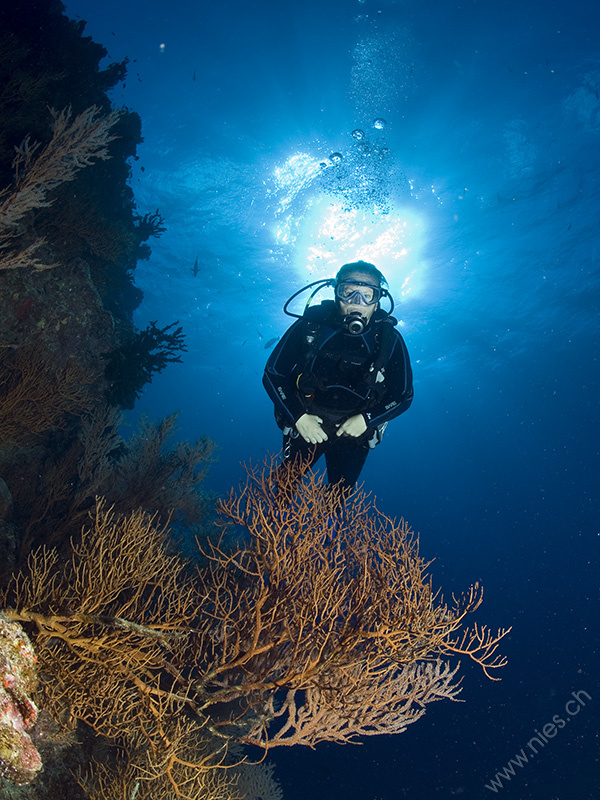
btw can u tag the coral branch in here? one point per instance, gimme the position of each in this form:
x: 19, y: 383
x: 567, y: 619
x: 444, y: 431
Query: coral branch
x: 481, y: 645
x: 34, y: 398
x: 74, y: 145
x: 319, y: 626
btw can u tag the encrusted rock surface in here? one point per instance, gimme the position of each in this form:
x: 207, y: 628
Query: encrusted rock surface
x: 19, y: 759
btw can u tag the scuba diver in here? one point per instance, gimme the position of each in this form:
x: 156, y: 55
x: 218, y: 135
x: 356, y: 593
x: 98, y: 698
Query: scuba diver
x: 339, y: 374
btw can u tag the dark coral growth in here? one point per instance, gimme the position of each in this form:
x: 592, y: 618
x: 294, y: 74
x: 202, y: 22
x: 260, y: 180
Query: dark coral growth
x: 132, y: 365
x: 70, y: 239
x: 146, y: 472
x: 151, y: 225
x: 46, y: 63
x: 36, y: 399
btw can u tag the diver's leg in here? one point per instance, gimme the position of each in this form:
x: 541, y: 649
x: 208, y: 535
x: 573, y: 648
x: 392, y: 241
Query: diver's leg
x: 345, y: 459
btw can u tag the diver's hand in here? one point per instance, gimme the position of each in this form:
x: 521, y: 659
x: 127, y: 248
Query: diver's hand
x: 309, y: 428
x: 353, y: 426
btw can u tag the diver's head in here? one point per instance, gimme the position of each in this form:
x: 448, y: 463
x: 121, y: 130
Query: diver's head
x: 358, y: 289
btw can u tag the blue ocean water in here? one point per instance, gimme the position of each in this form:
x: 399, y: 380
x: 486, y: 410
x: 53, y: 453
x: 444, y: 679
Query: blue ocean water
x: 473, y: 181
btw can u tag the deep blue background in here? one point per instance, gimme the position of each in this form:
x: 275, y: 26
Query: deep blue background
x: 493, y: 132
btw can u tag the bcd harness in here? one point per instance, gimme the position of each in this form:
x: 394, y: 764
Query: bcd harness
x: 319, y: 329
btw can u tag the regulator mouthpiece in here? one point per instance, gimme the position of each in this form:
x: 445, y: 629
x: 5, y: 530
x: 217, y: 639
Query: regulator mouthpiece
x: 355, y: 323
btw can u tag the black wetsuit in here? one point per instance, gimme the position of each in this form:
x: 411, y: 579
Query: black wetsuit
x: 318, y: 368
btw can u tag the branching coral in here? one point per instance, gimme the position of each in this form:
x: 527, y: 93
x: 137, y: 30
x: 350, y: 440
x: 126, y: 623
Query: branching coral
x: 125, y: 604
x: 35, y: 398
x: 112, y: 630
x: 131, y: 779
x: 74, y: 145
x: 318, y: 628
x: 131, y: 365
x: 322, y: 626
x: 153, y: 474
x: 150, y: 225
x: 257, y: 782
x: 145, y: 472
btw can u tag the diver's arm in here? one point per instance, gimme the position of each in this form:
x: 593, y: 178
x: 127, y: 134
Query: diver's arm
x: 280, y: 374
x: 399, y: 387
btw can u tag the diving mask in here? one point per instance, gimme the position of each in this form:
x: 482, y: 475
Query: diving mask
x: 358, y: 293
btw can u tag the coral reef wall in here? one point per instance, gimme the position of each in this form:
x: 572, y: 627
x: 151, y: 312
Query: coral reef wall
x: 70, y: 356
x: 70, y: 239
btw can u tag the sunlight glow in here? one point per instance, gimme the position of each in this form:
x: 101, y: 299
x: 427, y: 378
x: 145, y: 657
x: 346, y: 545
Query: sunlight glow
x: 324, y: 230
x: 296, y: 174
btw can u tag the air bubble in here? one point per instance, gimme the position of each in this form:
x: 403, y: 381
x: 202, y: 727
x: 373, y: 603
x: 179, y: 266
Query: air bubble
x: 358, y: 134
x: 336, y: 158
x: 379, y: 123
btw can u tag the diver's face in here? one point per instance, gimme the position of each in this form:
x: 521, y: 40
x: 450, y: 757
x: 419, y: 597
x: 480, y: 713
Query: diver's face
x: 366, y: 311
